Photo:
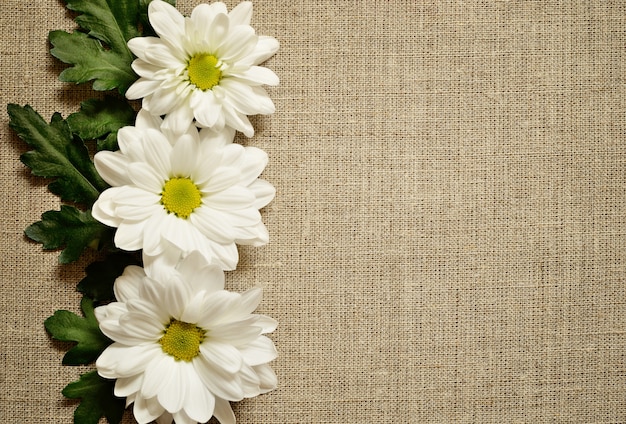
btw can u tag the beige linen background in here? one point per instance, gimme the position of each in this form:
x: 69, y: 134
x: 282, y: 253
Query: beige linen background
x: 449, y: 231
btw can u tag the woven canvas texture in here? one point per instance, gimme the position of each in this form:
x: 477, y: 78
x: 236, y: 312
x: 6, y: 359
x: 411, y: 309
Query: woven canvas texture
x: 448, y: 238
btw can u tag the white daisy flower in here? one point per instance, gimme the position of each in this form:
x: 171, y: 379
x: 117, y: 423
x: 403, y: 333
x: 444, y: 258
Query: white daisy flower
x: 200, y: 192
x: 183, y: 346
x: 203, y: 67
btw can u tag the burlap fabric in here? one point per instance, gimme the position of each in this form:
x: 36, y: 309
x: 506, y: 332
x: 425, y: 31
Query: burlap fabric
x: 448, y: 236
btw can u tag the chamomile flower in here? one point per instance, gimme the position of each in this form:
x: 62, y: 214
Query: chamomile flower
x: 199, y: 192
x: 203, y: 67
x: 183, y: 346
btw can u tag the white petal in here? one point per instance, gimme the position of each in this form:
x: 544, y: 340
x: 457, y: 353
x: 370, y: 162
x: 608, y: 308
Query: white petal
x: 217, y: 30
x: 167, y: 22
x: 145, y: 120
x: 152, y: 243
x: 237, y: 120
x: 141, y: 325
x: 257, y: 75
x: 142, y: 88
x: 162, y: 265
x: 250, y: 299
x: 206, y: 108
x: 225, y: 255
x: 200, y: 275
x: 139, y: 45
x: 213, y: 225
x: 135, y: 204
x: 119, y: 360
x: 179, y: 232
x: 200, y: 402
x: 129, y: 236
x: 216, y: 139
x: 267, y: 377
x: 240, y: 96
x: 162, y: 101
x: 157, y: 375
x: 103, y: 209
x: 265, y: 48
x: 184, y: 156
x: 219, y: 382
x: 221, y: 179
x: 219, y: 305
x: 146, y: 177
x: 127, y: 386
x: 222, y: 355
x: 223, y: 412
x: 127, y: 285
x: 173, y: 394
x: 258, y: 352
x: 241, y: 14
x: 250, y: 381
x: 240, y: 42
x: 157, y: 150
x: 111, y: 312
x: 177, y: 295
x: 147, y: 410
x: 253, y: 235
x: 130, y: 141
x: 263, y: 191
x: 266, y: 323
x: 255, y: 162
x: 149, y: 71
x: 112, y: 167
x: 266, y: 104
x: 179, y: 120
x: 165, y: 56
x: 236, y: 197
x: 235, y: 333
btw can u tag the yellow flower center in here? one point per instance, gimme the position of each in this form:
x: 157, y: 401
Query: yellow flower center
x: 182, y: 340
x: 180, y: 196
x: 203, y: 70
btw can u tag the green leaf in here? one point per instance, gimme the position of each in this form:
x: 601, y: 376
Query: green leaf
x: 109, y: 143
x: 57, y: 154
x: 99, y: 118
x: 112, y: 22
x: 71, y: 228
x: 91, y: 61
x: 69, y: 327
x: 98, y: 284
x: 97, y: 399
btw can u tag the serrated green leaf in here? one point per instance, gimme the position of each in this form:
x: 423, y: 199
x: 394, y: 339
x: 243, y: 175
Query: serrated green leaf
x: 57, y: 155
x: 97, y: 399
x: 109, y: 143
x: 100, y: 119
x: 66, y: 326
x: 112, y: 22
x: 98, y: 284
x: 91, y: 61
x: 71, y: 228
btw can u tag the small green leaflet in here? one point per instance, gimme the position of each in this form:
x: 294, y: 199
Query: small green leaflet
x: 100, y: 119
x: 112, y: 22
x: 98, y: 284
x: 66, y: 326
x: 57, y: 154
x: 97, y: 399
x: 71, y: 228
